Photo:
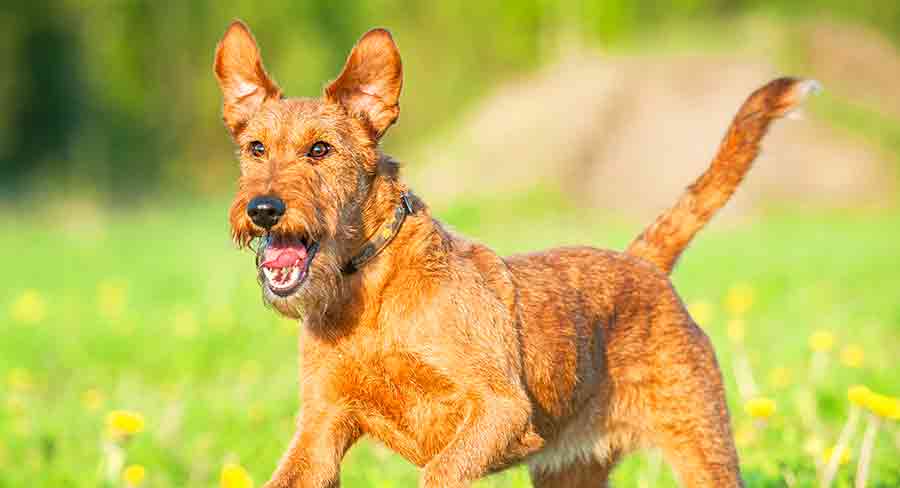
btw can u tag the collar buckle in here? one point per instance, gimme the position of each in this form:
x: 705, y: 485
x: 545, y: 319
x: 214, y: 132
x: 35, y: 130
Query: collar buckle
x: 407, y: 204
x: 383, y: 237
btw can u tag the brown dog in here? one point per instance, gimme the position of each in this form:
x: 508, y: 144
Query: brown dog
x: 462, y: 361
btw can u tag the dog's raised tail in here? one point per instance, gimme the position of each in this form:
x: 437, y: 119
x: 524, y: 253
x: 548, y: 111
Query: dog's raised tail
x: 664, y: 241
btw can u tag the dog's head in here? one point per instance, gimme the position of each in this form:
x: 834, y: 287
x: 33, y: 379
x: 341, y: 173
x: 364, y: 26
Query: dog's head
x: 307, y: 164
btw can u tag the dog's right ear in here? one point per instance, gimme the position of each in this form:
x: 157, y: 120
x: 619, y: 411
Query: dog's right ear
x: 242, y: 78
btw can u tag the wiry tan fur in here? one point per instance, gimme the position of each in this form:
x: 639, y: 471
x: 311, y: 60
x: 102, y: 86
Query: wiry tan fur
x: 462, y: 361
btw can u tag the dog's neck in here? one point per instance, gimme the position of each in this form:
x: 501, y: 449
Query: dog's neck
x: 362, y: 292
x: 381, y: 201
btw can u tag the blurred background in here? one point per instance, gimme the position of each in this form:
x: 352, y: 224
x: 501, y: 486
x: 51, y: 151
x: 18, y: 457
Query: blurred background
x: 136, y: 351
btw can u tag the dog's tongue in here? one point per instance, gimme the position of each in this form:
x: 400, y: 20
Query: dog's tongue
x: 283, y: 255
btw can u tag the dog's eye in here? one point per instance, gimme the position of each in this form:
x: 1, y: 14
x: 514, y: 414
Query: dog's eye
x: 257, y: 149
x: 319, y: 150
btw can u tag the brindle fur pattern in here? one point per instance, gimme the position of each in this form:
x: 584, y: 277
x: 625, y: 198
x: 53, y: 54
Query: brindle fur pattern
x: 462, y: 361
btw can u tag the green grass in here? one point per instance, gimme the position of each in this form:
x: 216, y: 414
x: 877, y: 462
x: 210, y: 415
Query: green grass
x: 154, y: 311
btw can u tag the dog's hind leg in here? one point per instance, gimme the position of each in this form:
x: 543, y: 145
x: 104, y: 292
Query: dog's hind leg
x: 701, y: 457
x: 690, y: 417
x: 591, y: 473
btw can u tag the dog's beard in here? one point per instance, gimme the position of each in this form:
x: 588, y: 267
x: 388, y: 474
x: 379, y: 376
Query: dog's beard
x: 319, y: 290
x: 324, y: 286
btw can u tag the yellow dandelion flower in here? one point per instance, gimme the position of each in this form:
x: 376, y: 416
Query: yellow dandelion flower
x: 760, y: 407
x: 701, y: 311
x: 92, y: 399
x: 19, y: 379
x: 858, y: 395
x: 735, y: 328
x: 893, y: 411
x: 134, y: 475
x: 780, y: 377
x: 852, y: 356
x: 843, y: 457
x: 739, y: 299
x: 234, y: 476
x: 124, y: 423
x: 111, y: 298
x: 29, y: 308
x: 821, y: 341
x: 883, y: 406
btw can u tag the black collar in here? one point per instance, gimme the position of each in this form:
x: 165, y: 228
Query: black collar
x: 380, y: 240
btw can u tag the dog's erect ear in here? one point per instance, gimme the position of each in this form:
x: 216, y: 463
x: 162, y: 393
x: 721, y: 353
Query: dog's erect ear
x: 369, y: 86
x: 242, y: 78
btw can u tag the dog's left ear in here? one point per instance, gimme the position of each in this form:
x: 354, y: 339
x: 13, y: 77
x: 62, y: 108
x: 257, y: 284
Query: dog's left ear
x: 369, y: 86
x: 244, y: 82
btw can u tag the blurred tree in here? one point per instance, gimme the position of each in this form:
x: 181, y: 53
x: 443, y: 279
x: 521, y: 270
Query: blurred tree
x: 41, y: 116
x: 118, y: 97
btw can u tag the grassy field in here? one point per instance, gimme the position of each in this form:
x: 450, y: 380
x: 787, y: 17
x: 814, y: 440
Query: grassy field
x: 155, y: 312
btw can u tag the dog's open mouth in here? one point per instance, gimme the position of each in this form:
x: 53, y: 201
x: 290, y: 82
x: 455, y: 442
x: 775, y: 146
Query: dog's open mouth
x: 284, y: 263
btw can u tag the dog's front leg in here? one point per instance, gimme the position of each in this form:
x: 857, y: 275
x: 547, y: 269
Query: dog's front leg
x: 491, y: 425
x: 313, y: 459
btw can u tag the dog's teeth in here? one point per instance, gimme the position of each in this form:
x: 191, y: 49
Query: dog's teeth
x: 283, y: 278
x: 270, y: 274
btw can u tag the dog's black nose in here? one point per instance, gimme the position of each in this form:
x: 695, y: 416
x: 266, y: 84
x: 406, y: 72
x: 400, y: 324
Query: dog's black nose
x: 265, y: 211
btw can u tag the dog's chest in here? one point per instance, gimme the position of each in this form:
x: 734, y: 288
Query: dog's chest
x: 399, y: 399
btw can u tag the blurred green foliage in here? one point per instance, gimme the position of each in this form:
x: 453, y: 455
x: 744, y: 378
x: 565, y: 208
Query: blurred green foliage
x: 105, y: 96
